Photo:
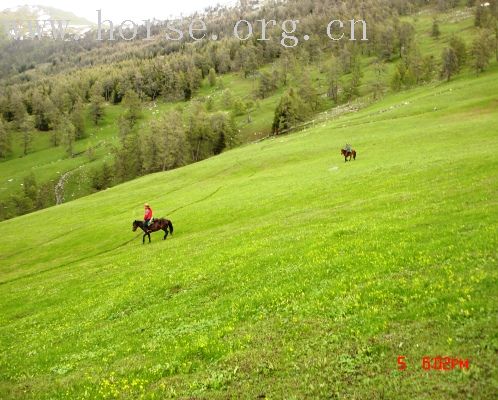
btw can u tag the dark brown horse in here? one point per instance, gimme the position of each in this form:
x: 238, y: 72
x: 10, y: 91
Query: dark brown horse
x: 155, y: 225
x: 348, y: 153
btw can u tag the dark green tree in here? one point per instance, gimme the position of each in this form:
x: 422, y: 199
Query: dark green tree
x: 44, y: 111
x: 165, y: 146
x: 435, y: 32
x: 5, y: 141
x: 224, y: 131
x: 482, y: 49
x: 266, y: 86
x: 17, y: 109
x: 133, y: 107
x: 67, y: 133
x: 96, y: 108
x: 334, y: 79
x: 289, y: 112
x: 27, y: 127
x: 406, y: 35
x: 212, y: 77
x: 30, y: 188
x: 449, y: 63
x: 45, y: 196
x: 352, y: 89
x: 128, y: 159
x: 308, y: 93
x: 379, y: 85
x: 102, y: 177
x: 78, y: 120
x: 458, y: 45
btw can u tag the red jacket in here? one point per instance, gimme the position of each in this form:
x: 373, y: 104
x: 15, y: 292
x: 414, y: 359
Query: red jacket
x: 148, y: 213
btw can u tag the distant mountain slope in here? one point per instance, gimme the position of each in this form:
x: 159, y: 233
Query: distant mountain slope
x: 42, y: 13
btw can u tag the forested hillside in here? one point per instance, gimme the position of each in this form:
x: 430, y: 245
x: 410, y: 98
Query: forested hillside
x: 82, y: 116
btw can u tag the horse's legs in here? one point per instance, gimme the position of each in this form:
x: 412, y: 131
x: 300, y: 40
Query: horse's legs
x: 149, y: 236
x: 143, y: 239
x: 165, y: 233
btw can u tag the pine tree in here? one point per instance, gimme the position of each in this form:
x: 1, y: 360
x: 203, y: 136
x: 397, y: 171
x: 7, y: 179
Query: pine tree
x: 212, y: 77
x: 224, y: 131
x: 334, y: 76
x: 479, y: 15
x: 4, y: 105
x: 102, y: 177
x: 288, y: 113
x: 415, y: 65
x: 17, y: 109
x: 199, y: 133
x: 458, y: 45
x: 239, y: 107
x: 44, y: 111
x: 308, y: 93
x: 78, y: 120
x: 30, y: 188
x: 210, y: 103
x: 496, y: 34
x: 449, y: 63
x: 45, y: 196
x: 267, y: 85
x: 96, y: 108
x: 428, y: 68
x: 67, y: 134
x: 406, y: 35
x: 386, y: 43
x: 397, y: 78
x: 133, y: 107
x: 106, y: 176
x: 227, y: 98
x: 246, y: 60
x: 482, y: 50
x: 287, y: 66
x: 169, y: 143
x: 5, y: 141
x: 27, y: 127
x: 90, y: 153
x: 378, y: 85
x: 435, y: 33
x: 352, y: 90
x: 21, y: 204
x: 128, y: 159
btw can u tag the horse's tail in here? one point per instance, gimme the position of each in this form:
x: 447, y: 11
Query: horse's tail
x: 170, y: 227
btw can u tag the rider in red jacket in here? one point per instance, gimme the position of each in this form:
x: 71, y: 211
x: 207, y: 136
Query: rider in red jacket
x: 147, y: 215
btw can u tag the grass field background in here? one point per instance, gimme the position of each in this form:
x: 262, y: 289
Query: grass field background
x: 290, y: 273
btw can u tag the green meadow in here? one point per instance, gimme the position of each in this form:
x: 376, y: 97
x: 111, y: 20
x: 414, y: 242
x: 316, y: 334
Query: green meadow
x: 290, y: 274
x: 48, y: 163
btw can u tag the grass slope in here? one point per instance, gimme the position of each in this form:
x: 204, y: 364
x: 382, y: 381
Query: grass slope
x: 49, y: 163
x: 290, y: 273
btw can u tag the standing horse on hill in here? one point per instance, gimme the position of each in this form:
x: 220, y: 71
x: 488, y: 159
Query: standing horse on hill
x: 156, y: 225
x: 351, y: 153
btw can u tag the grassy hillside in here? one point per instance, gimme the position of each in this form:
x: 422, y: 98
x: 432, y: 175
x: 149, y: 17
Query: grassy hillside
x: 49, y: 163
x: 290, y: 273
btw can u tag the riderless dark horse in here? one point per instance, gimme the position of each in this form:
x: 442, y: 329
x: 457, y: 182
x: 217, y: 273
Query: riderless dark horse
x: 156, y: 225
